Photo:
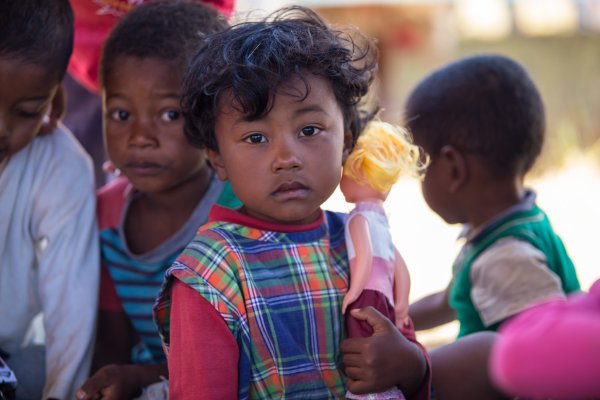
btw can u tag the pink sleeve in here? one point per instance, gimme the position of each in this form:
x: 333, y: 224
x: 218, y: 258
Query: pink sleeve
x: 551, y: 350
x: 203, y: 356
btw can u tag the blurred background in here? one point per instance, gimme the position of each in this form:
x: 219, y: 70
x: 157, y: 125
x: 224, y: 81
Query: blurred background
x: 557, y: 41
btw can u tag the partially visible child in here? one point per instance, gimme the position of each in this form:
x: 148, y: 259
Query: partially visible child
x: 147, y: 216
x: 252, y: 307
x: 48, y: 234
x: 481, y: 120
x: 552, y: 350
x: 378, y: 274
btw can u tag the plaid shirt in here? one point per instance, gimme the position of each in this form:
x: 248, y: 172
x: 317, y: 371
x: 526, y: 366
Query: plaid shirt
x: 280, y: 295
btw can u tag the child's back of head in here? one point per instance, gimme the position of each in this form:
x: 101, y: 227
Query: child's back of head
x: 485, y: 105
x: 38, y: 32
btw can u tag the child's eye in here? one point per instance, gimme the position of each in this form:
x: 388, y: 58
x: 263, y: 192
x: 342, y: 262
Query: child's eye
x: 119, y: 115
x: 28, y: 114
x: 309, y: 131
x: 255, y: 138
x: 170, y: 115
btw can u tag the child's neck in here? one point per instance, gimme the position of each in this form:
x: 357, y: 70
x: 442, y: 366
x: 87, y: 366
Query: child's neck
x: 492, y: 199
x: 153, y: 218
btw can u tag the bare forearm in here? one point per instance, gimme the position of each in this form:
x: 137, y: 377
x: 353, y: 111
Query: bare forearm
x: 431, y: 311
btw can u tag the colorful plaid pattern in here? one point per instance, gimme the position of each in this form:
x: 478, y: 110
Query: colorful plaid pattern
x: 280, y: 295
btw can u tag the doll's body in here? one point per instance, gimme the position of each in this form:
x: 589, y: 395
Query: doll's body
x: 378, y: 275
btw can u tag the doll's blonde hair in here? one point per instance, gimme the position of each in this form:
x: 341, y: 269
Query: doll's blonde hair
x: 383, y: 153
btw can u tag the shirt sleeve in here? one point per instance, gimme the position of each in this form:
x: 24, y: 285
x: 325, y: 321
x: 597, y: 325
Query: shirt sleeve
x: 510, y: 276
x: 203, y: 356
x: 551, y: 350
x: 68, y: 270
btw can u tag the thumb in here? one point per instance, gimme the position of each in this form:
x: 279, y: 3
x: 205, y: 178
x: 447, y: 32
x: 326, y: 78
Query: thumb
x: 378, y: 321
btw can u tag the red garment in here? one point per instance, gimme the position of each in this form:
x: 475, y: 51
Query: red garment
x: 93, y: 21
x: 197, y: 328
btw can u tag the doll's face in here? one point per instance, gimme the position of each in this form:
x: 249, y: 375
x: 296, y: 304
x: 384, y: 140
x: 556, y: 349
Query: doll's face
x: 355, y: 192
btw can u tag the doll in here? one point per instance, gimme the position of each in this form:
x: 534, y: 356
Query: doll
x: 378, y: 274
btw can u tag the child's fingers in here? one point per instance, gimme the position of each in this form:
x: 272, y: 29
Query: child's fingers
x: 353, y: 360
x: 378, y: 322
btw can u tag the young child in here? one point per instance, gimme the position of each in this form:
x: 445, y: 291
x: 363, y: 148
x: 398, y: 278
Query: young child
x: 552, y: 350
x: 48, y: 234
x: 147, y: 216
x: 252, y: 307
x: 379, y: 276
x: 481, y: 120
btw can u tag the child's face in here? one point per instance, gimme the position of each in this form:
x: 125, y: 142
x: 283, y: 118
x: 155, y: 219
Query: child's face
x: 27, y: 92
x: 285, y: 165
x: 438, y: 185
x: 143, y: 126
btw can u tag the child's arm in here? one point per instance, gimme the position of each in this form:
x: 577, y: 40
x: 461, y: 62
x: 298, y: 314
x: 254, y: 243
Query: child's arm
x: 401, y: 290
x: 432, y: 310
x: 113, y: 375
x: 114, y: 333
x: 552, y: 350
x: 121, y: 381
x: 64, y: 223
x: 359, y: 232
x: 203, y: 354
x: 390, y: 357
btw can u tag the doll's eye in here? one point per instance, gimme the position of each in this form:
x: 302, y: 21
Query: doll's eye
x: 309, y: 131
x: 256, y: 138
x: 120, y: 115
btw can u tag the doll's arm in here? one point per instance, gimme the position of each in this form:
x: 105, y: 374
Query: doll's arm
x: 359, y: 232
x: 401, y: 290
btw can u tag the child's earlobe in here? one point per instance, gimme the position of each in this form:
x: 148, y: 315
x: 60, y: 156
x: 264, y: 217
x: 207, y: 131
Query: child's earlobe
x: 55, y: 112
x: 216, y: 162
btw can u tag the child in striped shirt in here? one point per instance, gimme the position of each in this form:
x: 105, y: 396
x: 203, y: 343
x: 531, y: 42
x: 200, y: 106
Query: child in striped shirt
x: 252, y: 307
x: 149, y: 214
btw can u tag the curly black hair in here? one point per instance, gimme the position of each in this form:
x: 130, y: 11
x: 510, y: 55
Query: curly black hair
x: 484, y: 104
x: 170, y: 30
x: 37, y: 31
x: 253, y: 59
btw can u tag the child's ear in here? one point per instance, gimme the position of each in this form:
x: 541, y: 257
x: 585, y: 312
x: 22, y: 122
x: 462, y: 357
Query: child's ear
x: 458, y: 170
x: 348, y: 142
x: 216, y: 162
x: 55, y: 112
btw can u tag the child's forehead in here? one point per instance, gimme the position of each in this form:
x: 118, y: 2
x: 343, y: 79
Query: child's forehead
x: 25, y: 78
x: 131, y: 66
x: 300, y: 87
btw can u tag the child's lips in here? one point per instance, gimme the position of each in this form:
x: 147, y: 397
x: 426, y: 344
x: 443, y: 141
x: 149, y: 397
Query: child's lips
x: 291, y: 191
x: 143, y: 168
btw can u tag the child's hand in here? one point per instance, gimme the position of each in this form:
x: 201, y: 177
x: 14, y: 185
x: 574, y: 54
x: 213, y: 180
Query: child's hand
x: 111, y: 382
x: 384, y: 360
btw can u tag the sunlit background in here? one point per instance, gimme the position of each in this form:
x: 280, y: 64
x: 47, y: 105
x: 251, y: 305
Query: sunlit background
x: 558, y: 42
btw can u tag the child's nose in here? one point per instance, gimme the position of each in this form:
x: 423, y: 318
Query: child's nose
x: 143, y: 134
x: 286, y: 158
